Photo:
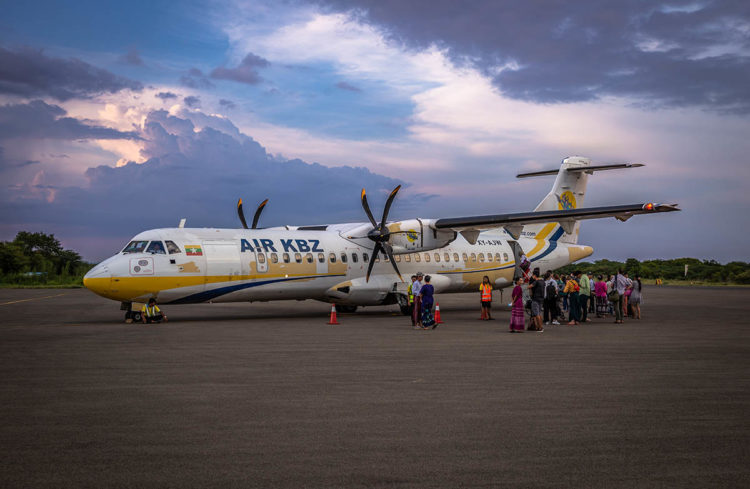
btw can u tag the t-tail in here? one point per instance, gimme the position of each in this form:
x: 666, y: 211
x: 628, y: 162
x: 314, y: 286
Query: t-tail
x: 568, y: 192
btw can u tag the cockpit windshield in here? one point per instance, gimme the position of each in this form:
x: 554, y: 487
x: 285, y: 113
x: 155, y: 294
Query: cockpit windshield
x: 157, y: 248
x: 135, y: 247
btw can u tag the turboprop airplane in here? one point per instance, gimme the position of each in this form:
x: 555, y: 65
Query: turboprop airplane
x: 357, y: 264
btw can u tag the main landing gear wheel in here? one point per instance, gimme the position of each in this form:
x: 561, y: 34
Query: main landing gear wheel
x: 346, y: 309
x: 133, y: 316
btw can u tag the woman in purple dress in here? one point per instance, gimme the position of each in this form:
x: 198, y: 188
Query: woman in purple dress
x: 427, y: 291
x: 517, y: 318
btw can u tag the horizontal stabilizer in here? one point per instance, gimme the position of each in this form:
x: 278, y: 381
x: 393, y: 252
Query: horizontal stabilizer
x: 581, y: 169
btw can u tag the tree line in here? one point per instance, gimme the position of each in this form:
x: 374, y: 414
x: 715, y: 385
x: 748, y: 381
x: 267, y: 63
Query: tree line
x: 39, y: 259
x: 674, y: 269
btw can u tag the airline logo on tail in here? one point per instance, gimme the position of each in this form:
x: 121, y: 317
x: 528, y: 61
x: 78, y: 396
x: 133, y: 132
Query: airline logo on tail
x: 566, y: 201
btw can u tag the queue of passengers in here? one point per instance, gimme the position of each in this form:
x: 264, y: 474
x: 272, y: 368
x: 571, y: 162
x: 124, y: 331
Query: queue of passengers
x: 550, y: 298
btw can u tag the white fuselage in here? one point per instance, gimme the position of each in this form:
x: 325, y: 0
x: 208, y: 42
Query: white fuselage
x: 231, y: 265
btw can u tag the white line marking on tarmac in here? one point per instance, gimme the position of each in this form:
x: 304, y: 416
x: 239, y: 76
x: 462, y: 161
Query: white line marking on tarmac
x: 33, y: 299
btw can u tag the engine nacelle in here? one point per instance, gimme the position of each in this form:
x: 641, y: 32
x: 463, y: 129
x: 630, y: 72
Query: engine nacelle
x: 414, y: 235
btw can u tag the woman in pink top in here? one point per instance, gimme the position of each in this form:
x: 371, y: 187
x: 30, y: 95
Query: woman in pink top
x: 517, y: 318
x: 600, y: 291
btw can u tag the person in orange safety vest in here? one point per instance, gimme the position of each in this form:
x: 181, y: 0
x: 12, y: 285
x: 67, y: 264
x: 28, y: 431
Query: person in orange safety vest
x: 485, y: 290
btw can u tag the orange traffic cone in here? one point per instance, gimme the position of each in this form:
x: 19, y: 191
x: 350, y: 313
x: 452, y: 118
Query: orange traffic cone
x: 437, y: 314
x: 333, y: 315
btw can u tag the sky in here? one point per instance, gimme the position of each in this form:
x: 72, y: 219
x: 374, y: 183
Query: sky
x: 117, y: 117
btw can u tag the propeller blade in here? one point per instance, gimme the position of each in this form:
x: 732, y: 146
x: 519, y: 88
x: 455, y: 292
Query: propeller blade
x: 367, y: 209
x: 256, y: 217
x: 387, y: 208
x: 378, y: 247
x: 389, y: 251
x: 241, y: 214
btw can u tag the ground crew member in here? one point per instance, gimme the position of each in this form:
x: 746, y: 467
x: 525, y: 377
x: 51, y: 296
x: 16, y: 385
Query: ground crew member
x: 150, y: 313
x: 411, y: 300
x: 485, y: 290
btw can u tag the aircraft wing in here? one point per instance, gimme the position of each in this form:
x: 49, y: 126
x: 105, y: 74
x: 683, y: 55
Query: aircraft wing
x: 513, y: 223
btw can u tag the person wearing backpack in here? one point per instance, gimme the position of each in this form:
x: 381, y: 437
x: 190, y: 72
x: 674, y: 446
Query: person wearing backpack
x: 550, y: 299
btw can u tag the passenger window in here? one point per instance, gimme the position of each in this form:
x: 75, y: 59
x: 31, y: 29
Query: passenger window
x: 489, y: 256
x: 386, y: 259
x: 397, y: 258
x: 298, y: 257
x: 343, y: 257
x: 505, y: 256
x: 377, y: 259
x: 309, y: 258
x: 156, y: 248
x: 497, y: 257
x: 321, y: 258
x: 274, y: 258
x: 437, y: 257
x: 447, y: 257
x: 426, y: 257
x: 261, y: 258
x: 172, y: 248
x: 135, y: 247
x: 407, y: 258
x: 481, y: 257
x: 355, y: 259
x: 473, y: 257
x: 465, y: 257
x: 332, y: 257
x: 286, y: 257
x: 455, y: 256
x: 365, y: 257
x: 417, y: 257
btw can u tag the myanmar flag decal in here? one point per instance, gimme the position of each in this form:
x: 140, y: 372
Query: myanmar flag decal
x: 193, y: 250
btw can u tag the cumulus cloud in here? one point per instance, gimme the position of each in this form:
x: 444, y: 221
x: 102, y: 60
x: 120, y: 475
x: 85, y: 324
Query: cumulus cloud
x: 245, y: 72
x: 562, y: 52
x: 196, y: 171
x: 29, y: 72
x: 39, y: 120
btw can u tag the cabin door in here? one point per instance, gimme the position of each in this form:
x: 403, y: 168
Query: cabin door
x: 222, y: 261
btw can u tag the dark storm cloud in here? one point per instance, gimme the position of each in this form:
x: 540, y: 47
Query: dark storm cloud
x: 192, y: 101
x: 674, y: 54
x: 227, y: 103
x: 166, y: 95
x: 348, y: 87
x: 196, y: 170
x: 195, y: 79
x: 39, y: 120
x: 132, y: 58
x: 30, y: 73
x: 245, y: 72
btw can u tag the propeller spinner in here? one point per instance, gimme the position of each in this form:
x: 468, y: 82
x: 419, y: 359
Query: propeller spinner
x: 380, y: 233
x: 256, y: 217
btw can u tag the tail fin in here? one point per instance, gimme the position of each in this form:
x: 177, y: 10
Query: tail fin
x: 568, y: 192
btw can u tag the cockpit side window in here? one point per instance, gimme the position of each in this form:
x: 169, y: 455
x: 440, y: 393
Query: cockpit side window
x: 172, y: 248
x: 157, y: 248
x: 135, y: 247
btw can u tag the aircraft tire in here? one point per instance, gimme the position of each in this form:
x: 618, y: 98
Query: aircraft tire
x: 346, y: 309
x: 135, y: 316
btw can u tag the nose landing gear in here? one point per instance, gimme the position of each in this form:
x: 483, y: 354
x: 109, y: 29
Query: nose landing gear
x: 130, y: 314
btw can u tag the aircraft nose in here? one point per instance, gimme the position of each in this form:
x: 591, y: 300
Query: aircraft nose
x: 97, y: 279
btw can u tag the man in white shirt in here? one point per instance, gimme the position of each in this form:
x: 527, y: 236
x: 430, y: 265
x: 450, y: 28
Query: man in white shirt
x: 416, y: 287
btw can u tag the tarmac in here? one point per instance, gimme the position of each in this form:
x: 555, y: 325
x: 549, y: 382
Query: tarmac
x: 269, y: 395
